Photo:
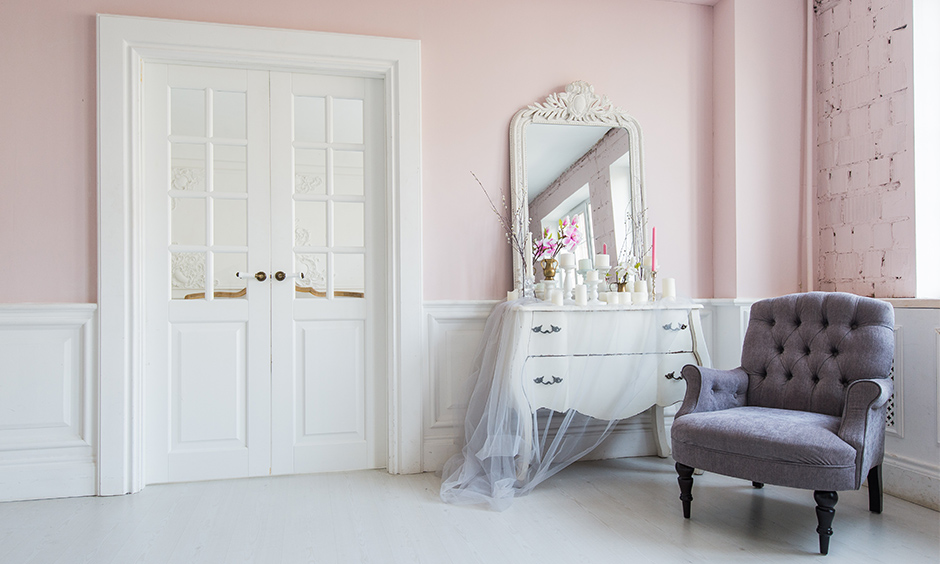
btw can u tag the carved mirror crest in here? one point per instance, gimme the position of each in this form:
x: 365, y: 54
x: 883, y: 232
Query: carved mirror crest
x: 577, y: 154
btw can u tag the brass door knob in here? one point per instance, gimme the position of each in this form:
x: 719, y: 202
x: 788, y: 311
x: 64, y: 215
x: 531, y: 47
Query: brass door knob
x: 281, y: 275
x: 260, y: 276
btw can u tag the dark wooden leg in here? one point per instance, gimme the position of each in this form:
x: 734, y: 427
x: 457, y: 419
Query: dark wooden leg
x: 825, y: 511
x: 757, y: 485
x: 685, y: 487
x: 876, y: 500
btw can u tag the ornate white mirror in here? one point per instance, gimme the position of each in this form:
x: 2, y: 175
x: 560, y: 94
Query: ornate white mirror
x: 575, y: 154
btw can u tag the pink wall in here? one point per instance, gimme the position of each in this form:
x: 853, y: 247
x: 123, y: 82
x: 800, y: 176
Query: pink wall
x: 865, y: 148
x: 481, y: 61
x: 758, y: 118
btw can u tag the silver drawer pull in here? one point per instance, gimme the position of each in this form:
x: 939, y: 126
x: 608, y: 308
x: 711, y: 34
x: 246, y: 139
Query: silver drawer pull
x: 675, y: 327
x: 672, y: 376
x: 554, y: 329
x: 555, y: 380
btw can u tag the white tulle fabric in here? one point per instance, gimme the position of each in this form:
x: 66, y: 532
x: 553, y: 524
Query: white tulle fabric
x: 507, y: 449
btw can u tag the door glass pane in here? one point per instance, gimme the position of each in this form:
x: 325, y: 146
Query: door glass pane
x: 310, y: 119
x: 188, y: 275
x: 349, y: 279
x: 313, y: 284
x: 350, y: 228
x: 187, y: 112
x: 348, y: 173
x: 187, y: 221
x: 347, y: 121
x: 188, y: 167
x: 228, y: 115
x: 310, y: 224
x: 310, y: 171
x: 231, y: 173
x: 230, y: 222
x: 226, y: 284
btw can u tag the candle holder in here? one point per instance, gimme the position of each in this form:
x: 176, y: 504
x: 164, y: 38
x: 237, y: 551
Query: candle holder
x: 593, y: 297
x: 652, y: 285
x: 570, y: 283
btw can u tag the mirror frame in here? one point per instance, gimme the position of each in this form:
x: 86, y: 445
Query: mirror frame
x: 577, y: 105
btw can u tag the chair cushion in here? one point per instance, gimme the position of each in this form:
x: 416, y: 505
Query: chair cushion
x: 776, y: 446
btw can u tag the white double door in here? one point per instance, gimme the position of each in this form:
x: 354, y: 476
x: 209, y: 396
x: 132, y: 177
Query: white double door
x: 252, y: 178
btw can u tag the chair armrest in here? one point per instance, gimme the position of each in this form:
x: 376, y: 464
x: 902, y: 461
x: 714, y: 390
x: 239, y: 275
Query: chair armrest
x: 863, y: 417
x: 708, y: 389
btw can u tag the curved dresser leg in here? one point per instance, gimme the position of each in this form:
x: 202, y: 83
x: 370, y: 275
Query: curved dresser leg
x: 659, y: 431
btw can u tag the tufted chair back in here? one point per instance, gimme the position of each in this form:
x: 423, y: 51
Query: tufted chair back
x: 801, y: 351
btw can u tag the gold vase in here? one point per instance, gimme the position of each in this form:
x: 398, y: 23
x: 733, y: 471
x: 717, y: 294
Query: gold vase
x: 548, y: 268
x: 622, y: 287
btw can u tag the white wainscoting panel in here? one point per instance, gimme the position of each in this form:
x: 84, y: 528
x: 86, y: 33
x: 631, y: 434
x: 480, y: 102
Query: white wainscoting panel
x: 47, y: 401
x: 454, y: 330
x: 912, y: 445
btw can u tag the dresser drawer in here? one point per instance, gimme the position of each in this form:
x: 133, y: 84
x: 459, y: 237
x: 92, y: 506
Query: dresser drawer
x: 602, y: 386
x: 605, y: 332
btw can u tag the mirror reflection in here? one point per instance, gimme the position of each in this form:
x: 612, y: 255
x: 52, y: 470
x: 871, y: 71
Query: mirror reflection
x: 579, y: 171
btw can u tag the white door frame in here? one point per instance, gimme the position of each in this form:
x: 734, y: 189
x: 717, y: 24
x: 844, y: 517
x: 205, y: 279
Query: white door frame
x: 124, y: 44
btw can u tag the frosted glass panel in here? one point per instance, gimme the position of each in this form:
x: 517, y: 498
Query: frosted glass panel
x: 188, y: 221
x: 230, y: 222
x: 310, y: 224
x: 188, y: 275
x: 231, y: 172
x: 350, y: 228
x: 228, y: 115
x: 310, y: 119
x: 226, y: 265
x: 187, y: 112
x: 313, y: 285
x: 188, y: 167
x: 310, y: 171
x: 348, y: 177
x: 349, y: 275
x: 347, y: 121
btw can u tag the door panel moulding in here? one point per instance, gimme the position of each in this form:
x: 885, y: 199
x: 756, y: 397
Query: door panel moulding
x: 124, y: 44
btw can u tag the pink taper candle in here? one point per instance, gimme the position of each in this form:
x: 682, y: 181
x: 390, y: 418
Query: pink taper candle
x: 653, y: 267
x: 605, y: 248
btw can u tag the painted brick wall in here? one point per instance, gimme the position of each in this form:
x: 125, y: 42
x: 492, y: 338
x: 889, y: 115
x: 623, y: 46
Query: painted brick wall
x: 864, y: 147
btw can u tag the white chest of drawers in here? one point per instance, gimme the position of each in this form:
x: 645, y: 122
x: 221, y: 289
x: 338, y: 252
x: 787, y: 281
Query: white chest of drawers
x: 609, y: 362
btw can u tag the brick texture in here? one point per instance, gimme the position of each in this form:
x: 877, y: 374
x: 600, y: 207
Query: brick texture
x: 864, y: 173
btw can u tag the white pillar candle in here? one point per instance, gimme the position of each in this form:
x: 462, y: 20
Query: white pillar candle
x: 558, y: 297
x: 601, y: 261
x: 585, y: 264
x: 591, y: 276
x: 580, y: 294
x: 625, y: 298
x: 565, y: 260
x: 669, y: 287
x: 640, y: 297
x: 613, y: 298
x: 512, y: 295
x: 647, y: 263
x: 640, y: 286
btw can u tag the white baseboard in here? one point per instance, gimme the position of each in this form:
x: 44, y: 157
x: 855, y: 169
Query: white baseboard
x: 912, y: 480
x: 48, y: 399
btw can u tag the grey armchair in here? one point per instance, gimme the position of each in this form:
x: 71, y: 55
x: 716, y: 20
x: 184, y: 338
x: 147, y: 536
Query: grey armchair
x: 806, y: 409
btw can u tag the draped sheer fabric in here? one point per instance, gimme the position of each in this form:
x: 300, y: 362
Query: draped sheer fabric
x: 508, y: 447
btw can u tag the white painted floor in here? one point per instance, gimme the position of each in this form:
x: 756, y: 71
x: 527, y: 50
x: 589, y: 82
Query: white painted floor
x: 617, y: 511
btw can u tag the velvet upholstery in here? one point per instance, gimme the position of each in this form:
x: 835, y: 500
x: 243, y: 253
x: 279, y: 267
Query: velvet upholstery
x: 806, y: 409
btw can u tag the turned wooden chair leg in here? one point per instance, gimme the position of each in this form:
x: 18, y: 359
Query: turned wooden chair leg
x: 685, y: 487
x: 825, y: 512
x: 876, y: 500
x: 757, y: 485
